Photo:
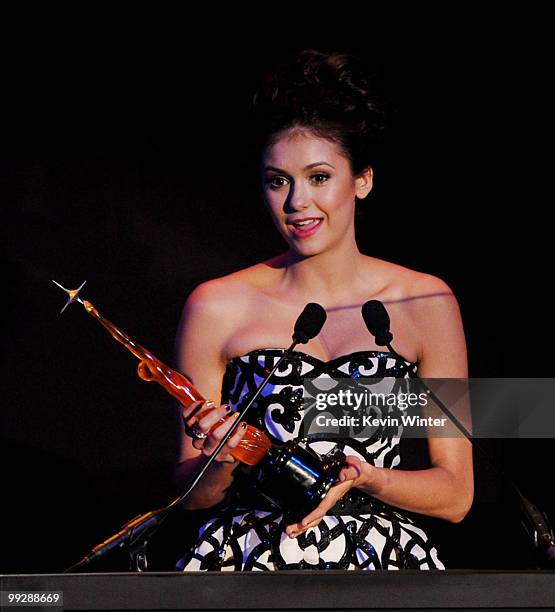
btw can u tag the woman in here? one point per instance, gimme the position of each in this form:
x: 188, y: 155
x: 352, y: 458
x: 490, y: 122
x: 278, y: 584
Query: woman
x: 315, y: 122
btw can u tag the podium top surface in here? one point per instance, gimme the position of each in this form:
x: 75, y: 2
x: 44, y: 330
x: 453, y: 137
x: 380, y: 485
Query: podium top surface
x: 305, y: 590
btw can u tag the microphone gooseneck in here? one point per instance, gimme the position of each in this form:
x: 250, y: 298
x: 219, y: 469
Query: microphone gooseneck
x: 135, y: 533
x: 535, y: 521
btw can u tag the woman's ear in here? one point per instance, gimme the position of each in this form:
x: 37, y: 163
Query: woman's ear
x: 364, y: 182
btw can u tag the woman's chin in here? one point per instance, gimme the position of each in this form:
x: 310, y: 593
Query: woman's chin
x: 307, y: 250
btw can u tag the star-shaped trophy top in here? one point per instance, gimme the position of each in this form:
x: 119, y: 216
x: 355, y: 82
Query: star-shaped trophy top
x: 73, y: 295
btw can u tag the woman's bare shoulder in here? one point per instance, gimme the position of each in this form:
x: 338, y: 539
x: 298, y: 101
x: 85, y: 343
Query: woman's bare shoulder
x: 402, y: 283
x: 431, y: 315
x: 235, y: 289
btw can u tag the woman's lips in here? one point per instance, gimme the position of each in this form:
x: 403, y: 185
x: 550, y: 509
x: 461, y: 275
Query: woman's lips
x: 305, y: 229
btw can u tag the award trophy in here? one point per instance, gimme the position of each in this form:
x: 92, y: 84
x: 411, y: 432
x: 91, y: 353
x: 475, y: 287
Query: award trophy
x: 291, y: 475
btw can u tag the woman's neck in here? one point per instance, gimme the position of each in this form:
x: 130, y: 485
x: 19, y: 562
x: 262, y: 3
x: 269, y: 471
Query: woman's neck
x: 328, y: 278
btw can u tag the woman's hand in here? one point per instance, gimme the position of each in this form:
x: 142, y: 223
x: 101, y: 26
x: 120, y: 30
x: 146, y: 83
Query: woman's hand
x: 354, y: 473
x: 200, y: 419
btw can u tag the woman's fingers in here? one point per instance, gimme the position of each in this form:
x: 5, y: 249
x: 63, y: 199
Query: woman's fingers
x: 351, y: 470
x: 190, y: 411
x: 218, y: 433
x: 201, y: 416
x: 312, y: 519
x: 297, y: 528
x: 348, y: 473
x: 207, y: 424
x: 207, y: 421
x: 237, y: 435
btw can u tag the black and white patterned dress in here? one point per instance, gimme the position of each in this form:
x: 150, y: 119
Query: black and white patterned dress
x: 360, y: 532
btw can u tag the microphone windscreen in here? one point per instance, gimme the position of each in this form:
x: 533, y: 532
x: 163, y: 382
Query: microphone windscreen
x: 310, y: 322
x: 377, y: 321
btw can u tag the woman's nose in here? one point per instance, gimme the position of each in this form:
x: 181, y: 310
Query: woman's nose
x: 297, y: 199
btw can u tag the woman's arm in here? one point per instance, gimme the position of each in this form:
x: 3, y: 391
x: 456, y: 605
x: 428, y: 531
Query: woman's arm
x: 205, y: 326
x: 446, y: 489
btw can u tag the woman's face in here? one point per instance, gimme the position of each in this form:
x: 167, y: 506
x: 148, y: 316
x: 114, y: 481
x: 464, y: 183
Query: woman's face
x: 310, y: 191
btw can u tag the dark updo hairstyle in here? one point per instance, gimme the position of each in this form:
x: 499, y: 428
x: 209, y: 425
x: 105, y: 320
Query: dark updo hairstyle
x: 326, y: 93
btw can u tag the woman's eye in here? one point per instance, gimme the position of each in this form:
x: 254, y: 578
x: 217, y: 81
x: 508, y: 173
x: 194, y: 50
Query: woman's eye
x: 275, y: 182
x: 320, y: 178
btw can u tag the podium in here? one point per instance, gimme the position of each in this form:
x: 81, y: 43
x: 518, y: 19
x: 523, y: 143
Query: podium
x: 295, y: 590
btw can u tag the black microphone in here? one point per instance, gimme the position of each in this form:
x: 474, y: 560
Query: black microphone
x: 377, y: 321
x: 539, y: 530
x: 141, y: 527
x: 309, y: 324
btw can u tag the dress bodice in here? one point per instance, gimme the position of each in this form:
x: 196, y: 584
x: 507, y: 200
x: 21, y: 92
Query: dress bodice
x: 280, y: 410
x: 359, y: 532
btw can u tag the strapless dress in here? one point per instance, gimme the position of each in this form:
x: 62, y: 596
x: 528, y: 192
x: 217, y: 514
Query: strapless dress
x: 359, y: 532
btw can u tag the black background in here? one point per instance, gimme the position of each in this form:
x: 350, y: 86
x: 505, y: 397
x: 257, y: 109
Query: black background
x: 125, y: 165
